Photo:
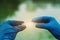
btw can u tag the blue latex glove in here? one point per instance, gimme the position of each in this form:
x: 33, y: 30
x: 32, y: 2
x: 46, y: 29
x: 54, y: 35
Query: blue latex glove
x: 49, y: 23
x: 9, y: 29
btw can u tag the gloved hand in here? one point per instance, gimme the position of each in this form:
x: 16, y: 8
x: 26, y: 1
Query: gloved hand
x: 49, y: 23
x: 10, y: 28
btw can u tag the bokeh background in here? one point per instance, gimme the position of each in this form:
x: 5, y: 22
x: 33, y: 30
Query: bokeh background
x: 26, y: 10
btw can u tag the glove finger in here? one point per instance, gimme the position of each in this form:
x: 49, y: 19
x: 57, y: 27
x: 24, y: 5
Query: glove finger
x: 19, y: 28
x: 42, y: 25
x: 14, y: 23
x: 44, y: 19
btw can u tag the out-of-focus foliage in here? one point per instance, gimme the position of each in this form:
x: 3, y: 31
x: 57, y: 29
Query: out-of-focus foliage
x: 7, y: 8
x: 42, y: 3
x: 47, y: 1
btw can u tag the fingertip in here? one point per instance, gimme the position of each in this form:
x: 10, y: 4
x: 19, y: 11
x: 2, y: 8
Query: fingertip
x: 35, y: 20
x: 21, y: 27
x: 38, y: 26
x: 42, y: 19
x: 14, y: 22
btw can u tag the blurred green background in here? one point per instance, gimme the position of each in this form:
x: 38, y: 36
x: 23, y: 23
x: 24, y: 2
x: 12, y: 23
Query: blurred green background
x: 28, y: 9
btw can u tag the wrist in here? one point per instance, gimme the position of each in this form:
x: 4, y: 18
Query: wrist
x: 55, y: 31
x: 8, y: 34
